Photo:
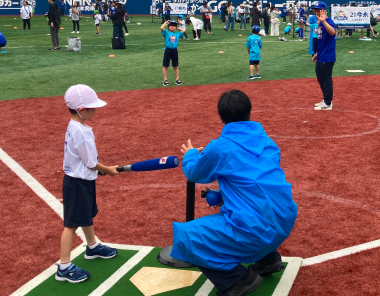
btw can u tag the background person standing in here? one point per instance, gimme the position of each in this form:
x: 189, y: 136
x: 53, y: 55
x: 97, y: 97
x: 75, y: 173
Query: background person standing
x: 54, y: 17
x: 26, y: 14
x: 325, y: 57
x: 206, y: 12
x: 75, y: 17
x: 62, y: 7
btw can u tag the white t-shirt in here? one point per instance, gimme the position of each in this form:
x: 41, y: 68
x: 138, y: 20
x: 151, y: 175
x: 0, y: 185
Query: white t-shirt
x: 25, y: 10
x: 97, y: 18
x: 197, y: 24
x: 182, y: 24
x: 80, y: 152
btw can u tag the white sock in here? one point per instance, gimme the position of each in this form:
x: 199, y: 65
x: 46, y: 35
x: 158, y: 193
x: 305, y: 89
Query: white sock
x: 65, y: 265
x: 94, y: 245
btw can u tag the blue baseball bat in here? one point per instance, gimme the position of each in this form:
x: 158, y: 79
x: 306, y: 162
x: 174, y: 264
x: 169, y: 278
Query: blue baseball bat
x: 162, y: 163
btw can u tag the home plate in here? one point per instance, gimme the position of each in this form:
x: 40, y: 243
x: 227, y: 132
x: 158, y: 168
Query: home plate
x: 154, y: 280
x: 355, y: 71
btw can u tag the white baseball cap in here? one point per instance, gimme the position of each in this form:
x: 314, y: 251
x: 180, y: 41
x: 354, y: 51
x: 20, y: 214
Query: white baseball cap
x: 82, y: 96
x: 289, y: 24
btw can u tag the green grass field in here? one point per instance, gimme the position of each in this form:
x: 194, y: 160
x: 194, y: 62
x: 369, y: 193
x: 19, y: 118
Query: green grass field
x: 29, y: 69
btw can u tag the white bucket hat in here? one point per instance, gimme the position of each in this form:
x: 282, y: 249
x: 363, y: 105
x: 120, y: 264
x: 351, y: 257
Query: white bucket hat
x: 82, y: 96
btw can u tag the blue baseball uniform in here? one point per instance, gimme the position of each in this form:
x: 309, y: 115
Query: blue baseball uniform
x: 258, y: 211
x: 326, y: 44
x: 3, y: 41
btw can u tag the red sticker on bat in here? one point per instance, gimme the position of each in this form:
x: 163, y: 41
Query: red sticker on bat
x: 163, y: 160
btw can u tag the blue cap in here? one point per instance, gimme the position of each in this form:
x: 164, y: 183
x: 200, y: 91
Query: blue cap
x: 256, y: 28
x: 173, y: 23
x: 181, y: 16
x: 320, y: 5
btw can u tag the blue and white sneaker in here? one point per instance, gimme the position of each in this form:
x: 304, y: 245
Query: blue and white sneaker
x: 72, y: 274
x: 257, y: 76
x: 100, y: 251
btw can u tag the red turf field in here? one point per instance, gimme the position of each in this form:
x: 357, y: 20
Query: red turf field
x: 331, y: 158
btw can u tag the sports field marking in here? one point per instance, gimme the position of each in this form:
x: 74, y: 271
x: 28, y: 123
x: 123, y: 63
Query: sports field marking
x: 289, y: 276
x: 41, y: 191
x: 43, y: 276
x: 374, y: 130
x: 348, y: 202
x: 151, y: 44
x: 355, y: 71
x: 341, y: 253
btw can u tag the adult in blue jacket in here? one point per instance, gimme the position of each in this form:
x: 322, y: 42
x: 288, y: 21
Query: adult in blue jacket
x: 258, y: 211
x: 3, y: 41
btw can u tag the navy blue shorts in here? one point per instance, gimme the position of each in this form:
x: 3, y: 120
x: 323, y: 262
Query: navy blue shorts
x: 254, y: 62
x: 170, y: 54
x: 79, y: 202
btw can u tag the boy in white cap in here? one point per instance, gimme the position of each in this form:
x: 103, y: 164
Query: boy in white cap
x: 81, y: 166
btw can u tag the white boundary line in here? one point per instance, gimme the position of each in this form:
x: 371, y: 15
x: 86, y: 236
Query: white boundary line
x: 289, y: 276
x: 41, y: 191
x: 43, y: 276
x: 142, y: 252
x: 341, y: 253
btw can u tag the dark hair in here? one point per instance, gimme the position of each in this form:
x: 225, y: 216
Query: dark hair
x: 272, y: 8
x: 268, y: 5
x: 234, y: 106
x: 72, y: 111
x: 254, y: 4
x: 188, y: 22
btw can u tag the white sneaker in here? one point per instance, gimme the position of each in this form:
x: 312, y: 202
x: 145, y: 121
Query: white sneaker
x: 72, y: 32
x: 126, y: 34
x: 196, y: 39
x: 317, y: 104
x: 77, y: 32
x: 323, y: 106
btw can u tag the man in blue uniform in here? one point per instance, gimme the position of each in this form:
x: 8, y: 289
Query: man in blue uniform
x: 325, y: 56
x: 258, y: 212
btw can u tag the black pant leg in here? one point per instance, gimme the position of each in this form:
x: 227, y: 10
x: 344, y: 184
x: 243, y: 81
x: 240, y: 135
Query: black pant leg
x: 28, y: 23
x: 368, y: 32
x: 224, y: 279
x: 23, y: 24
x: 199, y: 32
x: 324, y: 77
x: 125, y: 28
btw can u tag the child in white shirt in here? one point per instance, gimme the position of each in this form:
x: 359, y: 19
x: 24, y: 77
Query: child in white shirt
x: 97, y: 18
x: 182, y: 25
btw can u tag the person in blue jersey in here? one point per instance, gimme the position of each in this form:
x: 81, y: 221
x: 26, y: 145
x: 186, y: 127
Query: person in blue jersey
x: 325, y: 56
x: 302, y: 20
x: 3, y: 41
x: 284, y: 11
x: 113, y: 8
x: 313, y: 42
x: 167, y: 10
x: 62, y: 7
x: 254, y: 46
x: 171, y: 52
x: 258, y: 211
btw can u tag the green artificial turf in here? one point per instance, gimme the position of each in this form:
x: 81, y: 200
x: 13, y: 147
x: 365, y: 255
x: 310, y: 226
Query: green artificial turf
x: 29, y: 69
x: 100, y: 270
x: 126, y: 287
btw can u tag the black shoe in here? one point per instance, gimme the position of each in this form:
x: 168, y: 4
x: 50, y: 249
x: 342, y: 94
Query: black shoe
x: 271, y: 263
x: 245, y: 286
x: 178, y: 82
x: 166, y: 83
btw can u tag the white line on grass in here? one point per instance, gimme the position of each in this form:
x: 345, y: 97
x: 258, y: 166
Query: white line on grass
x: 206, y: 289
x: 115, y: 277
x: 41, y: 191
x: 289, y: 276
x: 341, y: 253
x: 151, y: 44
x: 43, y: 276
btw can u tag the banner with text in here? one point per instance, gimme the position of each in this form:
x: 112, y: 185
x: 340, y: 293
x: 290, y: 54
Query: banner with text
x: 351, y: 17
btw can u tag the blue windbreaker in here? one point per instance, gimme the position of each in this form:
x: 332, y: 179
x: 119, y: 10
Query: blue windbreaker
x: 258, y: 211
x: 313, y: 27
x: 3, y: 42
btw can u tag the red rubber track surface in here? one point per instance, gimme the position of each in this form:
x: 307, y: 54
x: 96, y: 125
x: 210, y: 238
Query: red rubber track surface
x: 330, y: 157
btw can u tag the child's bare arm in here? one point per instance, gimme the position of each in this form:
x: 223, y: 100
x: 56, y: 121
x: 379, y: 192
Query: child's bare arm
x: 109, y: 170
x: 182, y: 30
x: 163, y: 26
